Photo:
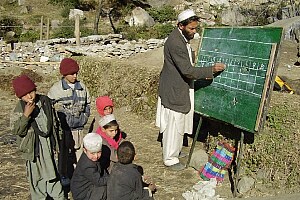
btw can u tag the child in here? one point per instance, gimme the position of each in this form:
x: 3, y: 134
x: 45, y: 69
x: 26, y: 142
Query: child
x: 104, y: 107
x: 89, y: 180
x: 32, y: 122
x: 108, y: 130
x: 72, y: 103
x: 125, y: 179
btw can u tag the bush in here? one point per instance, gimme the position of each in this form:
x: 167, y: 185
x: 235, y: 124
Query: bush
x: 159, y: 31
x: 67, y: 29
x: 73, y: 3
x: 9, y: 24
x: 65, y: 12
x: 84, y: 32
x: 29, y: 36
x: 132, y: 86
x: 134, y: 33
x: 163, y: 30
x: 163, y: 14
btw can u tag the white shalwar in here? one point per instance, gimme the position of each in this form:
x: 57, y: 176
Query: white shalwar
x: 173, y: 125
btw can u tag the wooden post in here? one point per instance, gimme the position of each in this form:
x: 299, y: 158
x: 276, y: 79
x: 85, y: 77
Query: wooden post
x: 77, y: 30
x: 194, y: 142
x: 41, y: 31
x: 48, y: 27
x: 238, y: 164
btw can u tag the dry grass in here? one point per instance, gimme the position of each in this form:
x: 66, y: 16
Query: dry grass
x: 38, y: 8
x: 132, y: 86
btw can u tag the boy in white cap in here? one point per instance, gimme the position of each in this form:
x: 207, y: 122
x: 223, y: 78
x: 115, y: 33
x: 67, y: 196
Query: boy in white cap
x: 175, y: 106
x: 89, y: 179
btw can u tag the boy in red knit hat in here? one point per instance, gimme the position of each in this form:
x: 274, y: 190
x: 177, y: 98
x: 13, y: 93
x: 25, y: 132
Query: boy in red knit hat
x: 72, y: 103
x: 33, y: 122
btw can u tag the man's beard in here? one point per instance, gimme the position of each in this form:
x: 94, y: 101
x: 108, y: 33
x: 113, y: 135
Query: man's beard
x: 187, y: 35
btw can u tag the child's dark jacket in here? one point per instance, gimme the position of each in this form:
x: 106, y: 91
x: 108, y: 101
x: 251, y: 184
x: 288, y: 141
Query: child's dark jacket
x: 126, y: 183
x: 26, y: 135
x: 89, y: 180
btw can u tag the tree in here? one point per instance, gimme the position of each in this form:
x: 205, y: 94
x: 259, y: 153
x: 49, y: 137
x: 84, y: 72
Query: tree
x: 97, y: 17
x: 113, y: 7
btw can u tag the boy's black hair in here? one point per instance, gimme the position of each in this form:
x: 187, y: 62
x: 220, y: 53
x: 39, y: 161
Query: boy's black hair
x: 110, y: 124
x: 188, y: 20
x: 126, y: 152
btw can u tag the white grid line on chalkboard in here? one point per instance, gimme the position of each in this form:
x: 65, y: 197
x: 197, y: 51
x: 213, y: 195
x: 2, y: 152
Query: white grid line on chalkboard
x: 233, y: 39
x: 234, y: 55
x: 226, y: 78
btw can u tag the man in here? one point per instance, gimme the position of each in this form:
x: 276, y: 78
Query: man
x: 175, y: 106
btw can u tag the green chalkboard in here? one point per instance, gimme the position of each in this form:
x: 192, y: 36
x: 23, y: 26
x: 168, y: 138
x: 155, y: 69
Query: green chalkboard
x: 239, y: 94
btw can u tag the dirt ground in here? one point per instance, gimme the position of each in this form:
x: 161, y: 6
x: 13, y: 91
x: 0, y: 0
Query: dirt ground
x: 143, y: 133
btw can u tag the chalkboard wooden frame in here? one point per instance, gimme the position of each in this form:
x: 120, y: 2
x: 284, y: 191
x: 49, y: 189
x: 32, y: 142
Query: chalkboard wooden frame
x: 240, y: 95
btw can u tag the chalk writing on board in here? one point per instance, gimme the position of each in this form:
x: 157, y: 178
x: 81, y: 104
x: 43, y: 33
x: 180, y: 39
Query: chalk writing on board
x: 243, y: 73
x: 240, y: 94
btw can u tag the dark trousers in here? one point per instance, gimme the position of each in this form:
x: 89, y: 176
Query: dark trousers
x: 66, y: 156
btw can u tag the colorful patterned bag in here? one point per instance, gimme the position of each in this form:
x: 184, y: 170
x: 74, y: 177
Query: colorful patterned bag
x: 217, y: 164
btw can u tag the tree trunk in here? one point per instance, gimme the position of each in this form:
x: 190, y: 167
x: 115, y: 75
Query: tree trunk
x: 97, y: 17
x: 111, y: 21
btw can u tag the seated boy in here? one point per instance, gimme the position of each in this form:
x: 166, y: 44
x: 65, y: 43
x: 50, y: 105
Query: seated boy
x: 125, y: 180
x: 89, y: 180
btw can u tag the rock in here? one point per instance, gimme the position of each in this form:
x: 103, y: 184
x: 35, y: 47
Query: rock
x: 207, y: 22
x: 74, y: 12
x: 24, y: 10
x: 13, y: 57
x: 10, y: 34
x: 290, y: 27
x: 21, y: 2
x: 160, y: 3
x: 224, y: 3
x: 198, y: 159
x: 140, y: 17
x: 55, y: 23
x: 232, y: 17
x: 12, y: 1
x: 44, y: 59
x: 56, y: 58
x: 245, y: 184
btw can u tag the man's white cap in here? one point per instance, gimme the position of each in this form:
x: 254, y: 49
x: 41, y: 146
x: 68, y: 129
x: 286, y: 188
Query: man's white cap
x: 185, y: 15
x: 106, y: 119
x: 92, y: 142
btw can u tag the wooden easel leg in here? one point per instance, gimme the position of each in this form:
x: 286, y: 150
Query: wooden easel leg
x: 194, y: 143
x: 239, y: 158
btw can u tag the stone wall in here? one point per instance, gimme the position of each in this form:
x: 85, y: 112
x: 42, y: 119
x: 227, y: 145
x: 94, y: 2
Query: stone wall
x: 54, y: 50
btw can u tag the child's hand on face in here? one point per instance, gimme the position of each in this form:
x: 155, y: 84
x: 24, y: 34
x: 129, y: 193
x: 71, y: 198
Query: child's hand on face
x: 29, y: 107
